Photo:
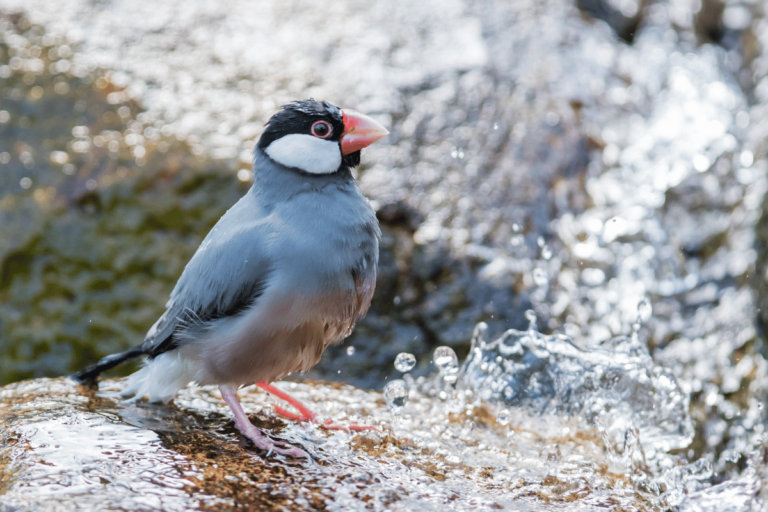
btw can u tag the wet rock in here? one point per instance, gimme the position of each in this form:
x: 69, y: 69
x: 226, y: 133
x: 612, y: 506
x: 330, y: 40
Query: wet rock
x: 66, y: 447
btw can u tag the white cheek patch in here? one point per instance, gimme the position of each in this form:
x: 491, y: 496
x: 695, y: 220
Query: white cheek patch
x: 306, y: 152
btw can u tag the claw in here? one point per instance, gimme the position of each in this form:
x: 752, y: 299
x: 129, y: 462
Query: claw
x: 243, y: 424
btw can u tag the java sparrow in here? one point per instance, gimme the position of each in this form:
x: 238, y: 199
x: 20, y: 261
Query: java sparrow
x: 285, y: 273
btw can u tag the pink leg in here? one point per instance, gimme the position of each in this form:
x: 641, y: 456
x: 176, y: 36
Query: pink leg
x: 244, y: 425
x: 304, y: 413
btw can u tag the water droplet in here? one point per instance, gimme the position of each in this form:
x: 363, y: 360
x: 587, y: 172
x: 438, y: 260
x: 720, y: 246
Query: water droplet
x: 495, y: 126
x: 644, y: 311
x: 516, y: 228
x: 551, y: 453
x: 540, y: 277
x: 546, y: 252
x: 396, y: 395
x: 350, y: 350
x: 404, y: 362
x: 245, y: 175
x: 517, y: 240
x: 447, y: 363
x: 479, y: 335
x: 453, y: 459
x: 747, y: 158
x: 504, y: 417
x: 454, y: 153
x: 530, y: 315
x: 540, y: 241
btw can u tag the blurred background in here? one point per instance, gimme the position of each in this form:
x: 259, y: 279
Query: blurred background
x: 590, y: 160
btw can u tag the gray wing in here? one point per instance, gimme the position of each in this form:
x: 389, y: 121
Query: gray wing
x: 228, y: 273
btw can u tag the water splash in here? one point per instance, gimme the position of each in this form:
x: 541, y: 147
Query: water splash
x: 644, y: 311
x: 616, y: 387
x: 396, y: 395
x: 447, y: 364
x: 504, y: 417
x: 404, y: 362
x: 540, y: 277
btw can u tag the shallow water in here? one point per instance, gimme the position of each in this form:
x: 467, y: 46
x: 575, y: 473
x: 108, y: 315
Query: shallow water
x: 455, y: 437
x: 85, y: 450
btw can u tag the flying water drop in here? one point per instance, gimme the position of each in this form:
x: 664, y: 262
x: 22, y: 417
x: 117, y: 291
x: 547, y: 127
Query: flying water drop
x: 447, y: 364
x: 350, y: 350
x: 396, y: 395
x: 504, y: 417
x: 540, y: 277
x: 546, y: 252
x: 404, y: 362
x: 533, y: 330
x: 479, y: 335
x: 644, y: 310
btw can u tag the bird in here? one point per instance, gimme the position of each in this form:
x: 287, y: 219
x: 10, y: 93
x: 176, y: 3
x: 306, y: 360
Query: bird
x: 285, y: 273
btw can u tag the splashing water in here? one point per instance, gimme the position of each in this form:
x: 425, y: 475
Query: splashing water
x: 637, y: 407
x: 504, y: 417
x: 404, y: 362
x: 644, y: 311
x: 447, y: 364
x: 540, y: 277
x: 396, y: 395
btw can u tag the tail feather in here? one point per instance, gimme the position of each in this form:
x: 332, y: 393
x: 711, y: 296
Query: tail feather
x: 90, y: 373
x: 162, y: 377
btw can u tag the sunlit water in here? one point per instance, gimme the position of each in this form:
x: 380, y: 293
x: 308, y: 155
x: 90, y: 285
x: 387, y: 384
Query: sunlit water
x: 587, y: 175
x: 528, y: 422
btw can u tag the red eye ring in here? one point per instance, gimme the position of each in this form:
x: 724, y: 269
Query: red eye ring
x: 319, y: 132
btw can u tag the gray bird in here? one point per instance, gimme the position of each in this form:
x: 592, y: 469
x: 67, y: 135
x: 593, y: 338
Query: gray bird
x: 285, y: 273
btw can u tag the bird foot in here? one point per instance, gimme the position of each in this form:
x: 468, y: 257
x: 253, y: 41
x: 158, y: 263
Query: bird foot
x: 244, y: 425
x: 304, y: 413
x: 262, y: 442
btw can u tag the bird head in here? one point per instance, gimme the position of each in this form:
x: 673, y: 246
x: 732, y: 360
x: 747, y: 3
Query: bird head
x: 317, y: 137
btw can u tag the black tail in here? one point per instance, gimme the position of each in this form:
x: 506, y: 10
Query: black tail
x: 90, y: 373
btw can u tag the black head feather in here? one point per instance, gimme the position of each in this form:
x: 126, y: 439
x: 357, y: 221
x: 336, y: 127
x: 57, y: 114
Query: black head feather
x: 298, y: 117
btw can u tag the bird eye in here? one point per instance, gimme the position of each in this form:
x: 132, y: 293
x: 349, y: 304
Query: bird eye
x: 322, y: 129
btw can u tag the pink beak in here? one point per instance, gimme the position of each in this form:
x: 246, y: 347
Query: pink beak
x: 360, y: 131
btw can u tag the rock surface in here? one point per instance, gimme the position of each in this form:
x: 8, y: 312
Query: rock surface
x: 70, y: 448
x: 528, y: 422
